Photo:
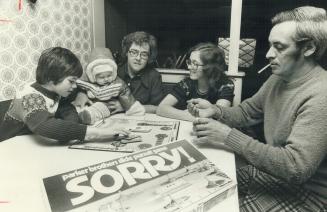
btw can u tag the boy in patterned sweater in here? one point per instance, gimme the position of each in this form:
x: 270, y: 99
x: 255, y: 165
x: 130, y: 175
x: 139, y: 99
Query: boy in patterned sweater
x: 41, y: 107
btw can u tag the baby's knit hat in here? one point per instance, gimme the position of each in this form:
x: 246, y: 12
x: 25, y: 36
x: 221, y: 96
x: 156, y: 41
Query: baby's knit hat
x: 101, y: 60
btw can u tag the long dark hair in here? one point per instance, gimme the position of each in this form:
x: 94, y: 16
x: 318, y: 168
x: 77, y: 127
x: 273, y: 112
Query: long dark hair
x: 213, y: 59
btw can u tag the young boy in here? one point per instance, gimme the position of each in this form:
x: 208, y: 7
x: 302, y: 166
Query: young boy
x: 102, y: 87
x: 39, y: 108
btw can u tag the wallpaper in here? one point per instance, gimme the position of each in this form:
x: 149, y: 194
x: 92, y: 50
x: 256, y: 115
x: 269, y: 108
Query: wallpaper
x: 26, y: 30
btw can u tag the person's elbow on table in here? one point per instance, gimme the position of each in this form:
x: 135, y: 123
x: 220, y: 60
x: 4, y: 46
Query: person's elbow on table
x: 165, y: 105
x: 160, y: 111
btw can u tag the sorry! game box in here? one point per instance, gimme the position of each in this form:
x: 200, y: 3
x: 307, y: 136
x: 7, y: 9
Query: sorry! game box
x: 151, y: 133
x: 170, y: 177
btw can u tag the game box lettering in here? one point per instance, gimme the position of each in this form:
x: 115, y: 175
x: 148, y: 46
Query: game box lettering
x: 170, y: 177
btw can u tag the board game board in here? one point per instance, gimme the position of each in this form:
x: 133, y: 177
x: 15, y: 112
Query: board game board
x: 152, y: 133
x: 173, y: 177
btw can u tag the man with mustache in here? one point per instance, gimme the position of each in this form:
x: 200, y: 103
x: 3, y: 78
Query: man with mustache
x: 289, y: 171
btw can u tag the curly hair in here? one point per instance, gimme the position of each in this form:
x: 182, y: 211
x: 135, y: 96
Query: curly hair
x: 57, y: 63
x: 140, y: 38
x: 213, y: 59
x: 311, y: 24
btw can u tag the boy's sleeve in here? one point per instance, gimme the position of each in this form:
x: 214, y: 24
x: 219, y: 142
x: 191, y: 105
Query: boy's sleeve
x: 67, y: 111
x: 4, y: 106
x: 40, y: 121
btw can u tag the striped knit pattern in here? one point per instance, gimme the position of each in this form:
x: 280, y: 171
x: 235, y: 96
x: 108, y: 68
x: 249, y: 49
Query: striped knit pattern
x: 102, y: 93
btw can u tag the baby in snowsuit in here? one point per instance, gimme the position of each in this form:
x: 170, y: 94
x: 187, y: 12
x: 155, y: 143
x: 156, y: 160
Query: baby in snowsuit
x: 102, y: 85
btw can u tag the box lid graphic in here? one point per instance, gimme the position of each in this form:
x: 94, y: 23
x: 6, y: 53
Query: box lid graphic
x: 170, y: 177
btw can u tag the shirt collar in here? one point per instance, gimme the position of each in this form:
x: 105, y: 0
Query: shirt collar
x: 142, y: 75
x: 50, y: 94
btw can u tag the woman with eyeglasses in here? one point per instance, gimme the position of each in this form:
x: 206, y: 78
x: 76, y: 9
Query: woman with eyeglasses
x: 207, y: 81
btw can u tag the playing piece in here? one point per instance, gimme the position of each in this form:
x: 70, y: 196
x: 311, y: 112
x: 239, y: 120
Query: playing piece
x: 145, y: 134
x: 140, y: 129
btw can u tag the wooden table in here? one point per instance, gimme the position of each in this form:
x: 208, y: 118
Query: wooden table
x: 26, y: 160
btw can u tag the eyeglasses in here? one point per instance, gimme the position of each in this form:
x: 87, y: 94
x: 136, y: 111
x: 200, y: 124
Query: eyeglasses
x: 193, y: 63
x: 135, y: 53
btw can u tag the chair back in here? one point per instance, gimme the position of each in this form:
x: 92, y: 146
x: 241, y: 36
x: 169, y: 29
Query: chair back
x: 246, y: 51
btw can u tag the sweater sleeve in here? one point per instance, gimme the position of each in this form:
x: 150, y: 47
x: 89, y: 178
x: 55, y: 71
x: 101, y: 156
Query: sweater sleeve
x: 304, y: 150
x: 43, y: 123
x: 67, y: 111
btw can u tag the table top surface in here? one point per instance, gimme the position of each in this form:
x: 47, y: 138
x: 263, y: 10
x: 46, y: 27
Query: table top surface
x: 26, y: 160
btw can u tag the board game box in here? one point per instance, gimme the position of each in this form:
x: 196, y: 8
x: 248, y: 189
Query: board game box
x: 152, y: 133
x: 170, y: 177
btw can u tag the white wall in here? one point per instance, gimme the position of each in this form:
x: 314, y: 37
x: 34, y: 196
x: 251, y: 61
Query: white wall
x: 49, y: 23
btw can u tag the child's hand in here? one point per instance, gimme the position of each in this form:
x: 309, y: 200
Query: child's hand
x: 99, y: 134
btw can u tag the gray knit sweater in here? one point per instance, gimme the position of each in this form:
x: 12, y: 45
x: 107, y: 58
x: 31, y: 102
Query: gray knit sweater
x: 295, y: 129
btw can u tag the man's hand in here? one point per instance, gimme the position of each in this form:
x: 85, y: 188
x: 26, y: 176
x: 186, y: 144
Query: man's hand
x: 201, y: 108
x: 115, y: 106
x: 210, y: 131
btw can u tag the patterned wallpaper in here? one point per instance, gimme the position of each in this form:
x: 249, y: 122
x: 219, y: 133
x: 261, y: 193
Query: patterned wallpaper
x: 27, y: 30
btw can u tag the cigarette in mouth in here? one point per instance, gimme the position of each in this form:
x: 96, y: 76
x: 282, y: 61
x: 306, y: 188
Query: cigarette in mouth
x: 264, y: 68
